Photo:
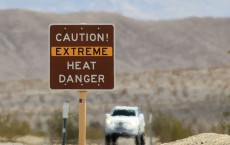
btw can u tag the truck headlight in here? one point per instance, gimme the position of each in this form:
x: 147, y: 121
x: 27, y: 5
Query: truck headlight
x: 133, y: 123
x: 108, y: 121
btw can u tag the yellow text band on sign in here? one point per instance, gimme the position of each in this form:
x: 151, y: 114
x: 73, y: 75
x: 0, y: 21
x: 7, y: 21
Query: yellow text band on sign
x: 82, y: 51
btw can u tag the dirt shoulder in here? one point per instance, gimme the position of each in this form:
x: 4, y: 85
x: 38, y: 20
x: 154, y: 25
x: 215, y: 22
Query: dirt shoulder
x: 203, y: 139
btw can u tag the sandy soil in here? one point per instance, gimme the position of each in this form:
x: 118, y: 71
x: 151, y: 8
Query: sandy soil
x: 204, y: 139
x: 201, y: 139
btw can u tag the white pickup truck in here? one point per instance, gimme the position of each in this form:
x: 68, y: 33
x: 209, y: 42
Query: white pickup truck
x: 125, y: 121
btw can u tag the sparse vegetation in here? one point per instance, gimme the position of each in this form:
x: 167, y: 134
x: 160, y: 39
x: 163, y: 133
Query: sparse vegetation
x: 10, y: 128
x: 36, y: 104
x: 54, y: 124
x: 226, y: 114
x: 95, y: 131
x: 222, y: 128
x: 224, y: 125
x: 168, y: 128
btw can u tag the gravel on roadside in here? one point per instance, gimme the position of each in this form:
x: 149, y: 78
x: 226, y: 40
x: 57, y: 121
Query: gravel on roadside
x: 203, y: 139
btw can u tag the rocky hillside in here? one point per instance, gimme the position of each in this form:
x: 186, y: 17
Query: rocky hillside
x: 200, y: 97
x: 140, y: 45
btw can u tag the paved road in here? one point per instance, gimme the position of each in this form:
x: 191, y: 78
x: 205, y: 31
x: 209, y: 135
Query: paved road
x: 201, y: 139
x: 126, y: 141
x: 130, y: 141
x: 121, y: 141
x: 5, y: 143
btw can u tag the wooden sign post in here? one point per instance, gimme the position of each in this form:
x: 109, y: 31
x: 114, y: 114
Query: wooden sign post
x: 82, y: 58
x: 82, y: 118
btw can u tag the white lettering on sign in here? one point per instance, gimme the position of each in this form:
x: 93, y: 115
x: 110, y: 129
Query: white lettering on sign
x: 78, y: 78
x: 94, y: 78
x: 99, y: 37
x: 78, y: 65
x: 58, y: 37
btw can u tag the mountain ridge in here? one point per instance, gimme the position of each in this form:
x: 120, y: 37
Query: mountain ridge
x: 140, y: 45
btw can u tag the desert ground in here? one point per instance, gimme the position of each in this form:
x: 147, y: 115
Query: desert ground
x: 201, y: 139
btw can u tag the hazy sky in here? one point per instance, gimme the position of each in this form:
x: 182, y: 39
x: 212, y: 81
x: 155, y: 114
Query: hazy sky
x: 139, y: 9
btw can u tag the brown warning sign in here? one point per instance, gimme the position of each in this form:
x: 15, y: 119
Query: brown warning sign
x: 81, y: 56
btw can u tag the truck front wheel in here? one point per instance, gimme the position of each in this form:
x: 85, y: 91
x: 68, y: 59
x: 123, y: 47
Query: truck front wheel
x: 142, y: 139
x: 114, y: 139
x: 107, y: 139
x: 137, y: 140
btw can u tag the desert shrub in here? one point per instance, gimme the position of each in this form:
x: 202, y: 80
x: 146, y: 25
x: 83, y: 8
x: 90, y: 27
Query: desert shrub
x: 223, y: 126
x: 226, y: 114
x: 95, y: 131
x: 10, y: 127
x: 55, y: 124
x: 168, y: 128
x: 38, y: 130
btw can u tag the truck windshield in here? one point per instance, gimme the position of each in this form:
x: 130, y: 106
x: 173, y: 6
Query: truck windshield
x: 123, y: 112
